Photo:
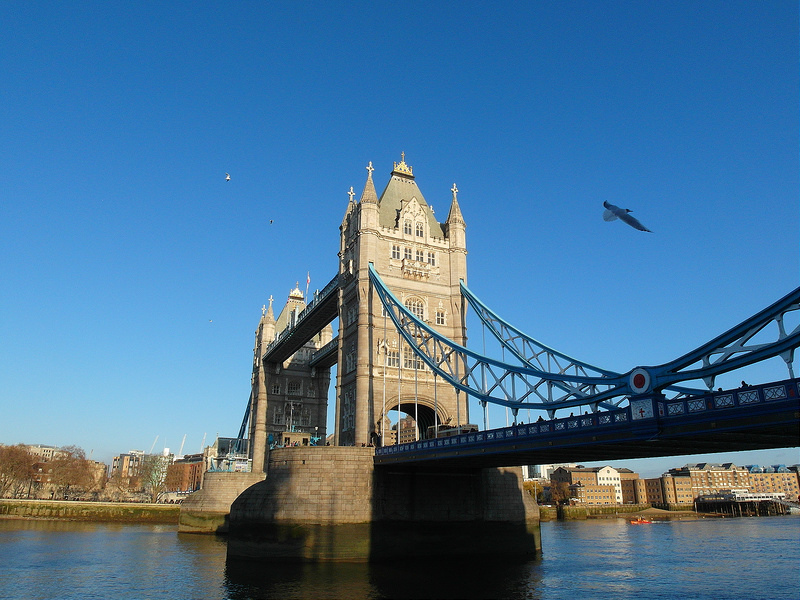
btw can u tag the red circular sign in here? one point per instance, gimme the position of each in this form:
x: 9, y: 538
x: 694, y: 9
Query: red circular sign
x: 639, y: 381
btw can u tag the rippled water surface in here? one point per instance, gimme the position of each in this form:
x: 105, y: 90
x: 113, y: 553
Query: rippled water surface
x: 749, y: 558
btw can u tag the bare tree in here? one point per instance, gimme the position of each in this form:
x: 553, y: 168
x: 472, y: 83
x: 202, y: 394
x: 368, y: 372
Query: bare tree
x: 152, y: 475
x: 16, y: 469
x: 71, y: 471
x: 559, y: 492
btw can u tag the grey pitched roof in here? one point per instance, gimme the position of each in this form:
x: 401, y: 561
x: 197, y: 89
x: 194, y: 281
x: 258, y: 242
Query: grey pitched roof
x: 400, y: 189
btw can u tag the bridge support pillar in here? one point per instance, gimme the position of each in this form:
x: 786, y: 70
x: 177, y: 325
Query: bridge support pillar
x: 330, y: 503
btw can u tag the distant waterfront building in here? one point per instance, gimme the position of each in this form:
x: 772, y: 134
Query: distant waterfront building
x: 775, y: 479
x: 543, y: 472
x: 407, y: 430
x: 185, y: 474
x: 45, y: 453
x: 677, y: 489
x: 653, y: 491
x: 633, y: 488
x: 591, y: 485
x: 128, y: 465
x: 712, y: 478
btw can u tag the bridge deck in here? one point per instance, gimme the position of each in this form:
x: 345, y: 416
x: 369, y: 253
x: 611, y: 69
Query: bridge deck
x: 317, y: 314
x: 753, y: 418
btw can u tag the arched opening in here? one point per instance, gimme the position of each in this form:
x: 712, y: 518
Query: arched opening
x: 414, y: 420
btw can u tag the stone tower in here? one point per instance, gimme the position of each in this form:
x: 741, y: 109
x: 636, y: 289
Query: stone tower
x: 421, y: 261
x: 287, y: 396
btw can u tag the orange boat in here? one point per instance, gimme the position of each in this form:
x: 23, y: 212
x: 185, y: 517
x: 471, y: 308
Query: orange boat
x: 640, y: 521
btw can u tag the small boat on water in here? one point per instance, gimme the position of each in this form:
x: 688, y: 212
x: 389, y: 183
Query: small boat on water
x: 640, y: 521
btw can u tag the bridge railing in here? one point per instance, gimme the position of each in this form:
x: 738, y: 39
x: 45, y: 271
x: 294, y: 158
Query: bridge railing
x: 665, y: 409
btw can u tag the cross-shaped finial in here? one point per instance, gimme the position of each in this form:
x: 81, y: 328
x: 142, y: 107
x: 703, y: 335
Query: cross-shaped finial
x: 370, y: 168
x: 402, y: 157
x: 263, y: 309
x: 454, y: 189
x: 351, y: 193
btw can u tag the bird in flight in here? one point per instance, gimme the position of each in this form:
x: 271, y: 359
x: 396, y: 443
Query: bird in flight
x: 615, y: 212
x: 227, y: 176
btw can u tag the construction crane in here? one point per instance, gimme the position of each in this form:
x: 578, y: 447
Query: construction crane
x: 153, y: 446
x: 180, y: 452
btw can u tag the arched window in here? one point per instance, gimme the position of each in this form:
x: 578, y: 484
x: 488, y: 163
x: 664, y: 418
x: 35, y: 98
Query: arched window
x: 420, y: 230
x: 416, y: 306
x: 407, y: 227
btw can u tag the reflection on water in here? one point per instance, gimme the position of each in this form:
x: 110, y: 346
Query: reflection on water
x: 409, y: 579
x: 756, y: 558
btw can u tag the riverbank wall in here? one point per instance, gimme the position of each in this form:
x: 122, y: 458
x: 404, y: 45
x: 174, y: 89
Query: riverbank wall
x: 124, y: 512
x: 332, y: 504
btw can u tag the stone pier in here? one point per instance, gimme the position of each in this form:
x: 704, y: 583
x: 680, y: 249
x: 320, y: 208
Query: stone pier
x: 331, y: 504
x: 206, y: 511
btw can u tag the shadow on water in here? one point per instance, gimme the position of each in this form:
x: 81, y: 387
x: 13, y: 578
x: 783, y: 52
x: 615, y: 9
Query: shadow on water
x: 405, y: 579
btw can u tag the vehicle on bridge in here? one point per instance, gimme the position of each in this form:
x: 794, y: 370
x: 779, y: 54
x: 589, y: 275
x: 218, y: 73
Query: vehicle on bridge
x: 449, y: 430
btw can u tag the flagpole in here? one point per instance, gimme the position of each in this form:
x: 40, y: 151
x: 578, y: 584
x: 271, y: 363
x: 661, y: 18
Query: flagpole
x: 308, y: 280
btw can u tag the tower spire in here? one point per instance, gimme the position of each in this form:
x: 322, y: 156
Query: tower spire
x: 369, y: 196
x: 455, y: 216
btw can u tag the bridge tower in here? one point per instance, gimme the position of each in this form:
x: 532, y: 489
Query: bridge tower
x: 290, y: 395
x: 421, y: 261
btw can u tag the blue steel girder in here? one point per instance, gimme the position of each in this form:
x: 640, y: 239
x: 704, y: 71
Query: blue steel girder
x: 516, y: 387
x: 535, y: 354
x: 487, y: 379
x: 734, y: 348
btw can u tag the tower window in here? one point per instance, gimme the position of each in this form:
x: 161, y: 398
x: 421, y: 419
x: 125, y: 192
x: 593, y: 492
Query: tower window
x: 420, y: 256
x: 440, y: 320
x: 407, y: 227
x: 294, y: 388
x: 411, y: 360
x: 432, y: 259
x: 420, y: 231
x: 396, y: 251
x: 393, y: 358
x: 416, y: 307
x: 407, y: 253
x: 276, y: 388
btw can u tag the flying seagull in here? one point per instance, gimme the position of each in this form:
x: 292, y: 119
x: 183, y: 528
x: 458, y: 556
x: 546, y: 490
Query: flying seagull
x: 227, y: 176
x: 615, y: 212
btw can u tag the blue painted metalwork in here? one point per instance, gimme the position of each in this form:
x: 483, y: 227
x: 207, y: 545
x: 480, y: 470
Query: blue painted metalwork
x: 535, y: 354
x: 643, y: 422
x: 527, y: 386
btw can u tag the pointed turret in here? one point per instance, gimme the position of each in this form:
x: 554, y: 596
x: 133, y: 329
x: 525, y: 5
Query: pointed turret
x: 265, y: 332
x: 351, y: 206
x: 369, y: 195
x: 269, y: 322
x: 455, y: 229
x: 368, y: 205
x: 455, y: 216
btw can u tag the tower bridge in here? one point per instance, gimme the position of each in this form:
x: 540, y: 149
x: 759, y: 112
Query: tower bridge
x: 401, y: 296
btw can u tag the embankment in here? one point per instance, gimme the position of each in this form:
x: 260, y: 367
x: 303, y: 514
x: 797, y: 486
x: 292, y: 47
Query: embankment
x: 90, y: 511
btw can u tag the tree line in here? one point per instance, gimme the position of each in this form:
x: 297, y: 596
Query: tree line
x: 70, y: 475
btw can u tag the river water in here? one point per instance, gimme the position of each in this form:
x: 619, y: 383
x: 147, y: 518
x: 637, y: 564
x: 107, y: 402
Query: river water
x: 748, y: 558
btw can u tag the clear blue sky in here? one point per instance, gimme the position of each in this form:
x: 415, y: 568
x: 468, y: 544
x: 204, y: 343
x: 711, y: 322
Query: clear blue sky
x: 132, y: 274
